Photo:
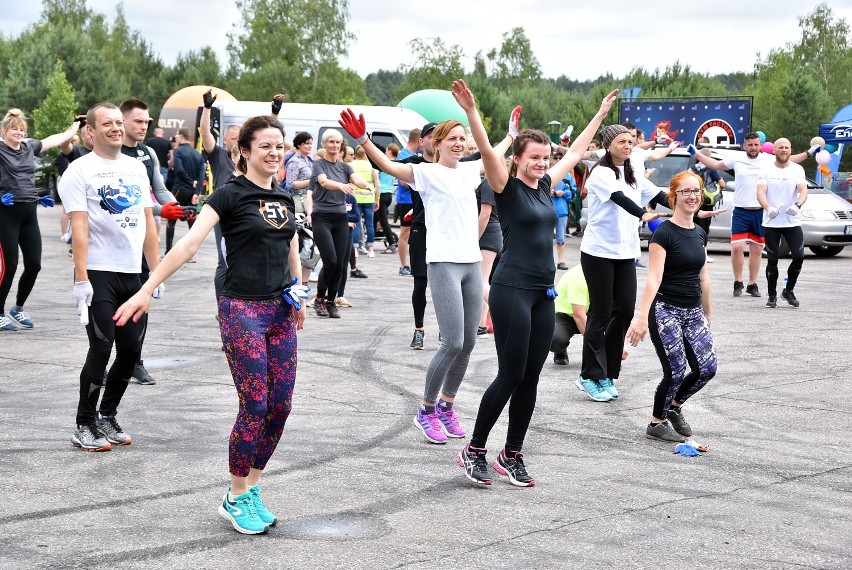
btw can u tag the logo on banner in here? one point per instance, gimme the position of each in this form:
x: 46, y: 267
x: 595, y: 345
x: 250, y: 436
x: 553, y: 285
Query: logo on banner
x: 275, y: 214
x: 719, y: 132
x: 841, y: 131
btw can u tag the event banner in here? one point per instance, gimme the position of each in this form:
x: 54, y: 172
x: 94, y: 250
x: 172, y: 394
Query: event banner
x: 724, y: 122
x: 840, y: 132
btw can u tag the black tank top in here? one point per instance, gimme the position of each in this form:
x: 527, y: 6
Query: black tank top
x: 144, y: 154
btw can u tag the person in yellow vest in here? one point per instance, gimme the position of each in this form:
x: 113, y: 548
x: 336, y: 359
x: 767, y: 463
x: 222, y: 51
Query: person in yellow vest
x: 367, y: 198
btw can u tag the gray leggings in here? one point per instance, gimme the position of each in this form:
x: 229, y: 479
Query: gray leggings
x: 457, y: 297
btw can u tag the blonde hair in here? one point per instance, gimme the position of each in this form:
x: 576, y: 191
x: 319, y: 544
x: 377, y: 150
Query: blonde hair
x: 360, y: 153
x: 13, y: 117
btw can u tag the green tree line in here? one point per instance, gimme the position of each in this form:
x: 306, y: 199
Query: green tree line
x: 74, y: 56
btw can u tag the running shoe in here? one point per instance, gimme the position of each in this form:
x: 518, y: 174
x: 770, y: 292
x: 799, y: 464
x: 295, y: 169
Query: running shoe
x: 22, y: 319
x: 430, y: 425
x: 560, y: 358
x: 390, y: 250
x: 738, y: 288
x: 362, y: 250
x: 450, y: 423
x: 514, y: 469
x: 593, y: 389
x: 639, y: 264
x: 417, y: 341
x: 108, y: 427
x: 371, y: 253
x: 242, y: 514
x: 481, y: 332
x: 6, y: 324
x: 474, y: 464
x: 357, y: 274
x: 679, y: 423
x: 663, y: 432
x: 342, y: 302
x: 89, y: 438
x: 332, y: 311
x: 754, y: 291
x: 141, y: 375
x: 563, y: 266
x: 772, y: 302
x: 265, y: 514
x: 786, y: 295
x: 609, y: 385
x: 319, y: 307
x: 404, y: 271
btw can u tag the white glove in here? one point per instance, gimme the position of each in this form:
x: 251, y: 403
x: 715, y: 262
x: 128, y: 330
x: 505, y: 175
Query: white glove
x: 83, y: 294
x: 565, y: 137
x: 772, y: 213
x: 674, y: 145
x: 814, y: 149
x: 158, y: 291
x: 515, y: 122
x: 793, y: 210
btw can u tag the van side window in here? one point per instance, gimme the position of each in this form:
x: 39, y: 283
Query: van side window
x: 384, y: 139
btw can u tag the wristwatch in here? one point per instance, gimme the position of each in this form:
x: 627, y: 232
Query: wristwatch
x: 798, y: 204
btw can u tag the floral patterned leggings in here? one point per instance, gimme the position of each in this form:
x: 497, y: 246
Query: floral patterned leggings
x: 260, y: 344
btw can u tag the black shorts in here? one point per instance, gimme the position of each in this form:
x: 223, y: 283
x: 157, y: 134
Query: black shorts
x: 492, y: 238
x: 417, y: 249
x: 401, y: 210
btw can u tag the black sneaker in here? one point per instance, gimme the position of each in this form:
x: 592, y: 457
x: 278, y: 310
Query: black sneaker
x: 417, y: 341
x: 753, y: 290
x: 474, y: 464
x: 514, y: 469
x: 331, y: 310
x: 320, y: 307
x: 772, y: 302
x: 738, y: 288
x: 141, y: 375
x: 790, y: 298
x: 109, y: 428
x: 679, y: 423
x: 560, y: 358
x: 663, y: 432
x: 482, y: 332
x: 358, y: 274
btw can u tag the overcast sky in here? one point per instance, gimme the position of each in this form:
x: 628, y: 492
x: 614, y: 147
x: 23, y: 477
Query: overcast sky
x: 581, y: 40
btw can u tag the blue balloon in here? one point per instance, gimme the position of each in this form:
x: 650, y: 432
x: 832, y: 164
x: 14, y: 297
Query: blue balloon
x: 654, y: 224
x: 762, y: 136
x: 830, y: 147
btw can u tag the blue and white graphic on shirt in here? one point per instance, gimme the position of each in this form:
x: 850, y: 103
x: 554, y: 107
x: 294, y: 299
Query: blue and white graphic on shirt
x: 117, y: 200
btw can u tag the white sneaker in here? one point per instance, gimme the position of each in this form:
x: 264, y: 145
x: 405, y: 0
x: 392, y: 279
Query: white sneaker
x: 342, y: 302
x: 371, y: 253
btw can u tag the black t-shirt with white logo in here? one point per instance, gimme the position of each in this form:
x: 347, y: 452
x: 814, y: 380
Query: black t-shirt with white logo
x: 685, y: 257
x: 527, y: 218
x: 257, y: 225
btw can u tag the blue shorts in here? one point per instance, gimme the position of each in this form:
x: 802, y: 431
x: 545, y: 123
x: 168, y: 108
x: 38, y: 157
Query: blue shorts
x: 561, y: 224
x: 747, y: 226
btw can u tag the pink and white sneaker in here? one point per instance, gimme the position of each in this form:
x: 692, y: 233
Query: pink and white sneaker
x: 450, y: 423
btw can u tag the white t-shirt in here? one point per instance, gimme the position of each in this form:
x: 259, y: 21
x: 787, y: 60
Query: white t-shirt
x: 452, y: 218
x: 115, y: 194
x: 610, y: 231
x: 746, y: 171
x: 638, y: 156
x: 781, y: 190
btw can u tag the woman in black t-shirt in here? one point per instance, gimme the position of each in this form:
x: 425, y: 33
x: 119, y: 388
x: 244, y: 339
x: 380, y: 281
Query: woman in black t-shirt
x: 256, y: 319
x: 522, y: 293
x: 676, y: 309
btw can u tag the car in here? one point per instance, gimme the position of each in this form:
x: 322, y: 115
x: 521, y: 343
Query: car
x: 826, y: 218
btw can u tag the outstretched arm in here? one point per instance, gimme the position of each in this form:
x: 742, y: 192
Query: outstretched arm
x: 60, y: 139
x: 356, y: 127
x: 492, y: 162
x: 578, y: 149
x: 208, y: 143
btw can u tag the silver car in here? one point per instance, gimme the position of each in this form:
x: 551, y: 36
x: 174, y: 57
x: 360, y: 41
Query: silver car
x: 826, y: 218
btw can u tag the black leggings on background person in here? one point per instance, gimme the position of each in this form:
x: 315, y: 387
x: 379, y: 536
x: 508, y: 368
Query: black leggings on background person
x: 523, y: 328
x: 19, y: 228
x: 331, y: 236
x: 184, y: 198
x: 418, y: 300
x: 111, y: 290
x: 612, y: 300
x: 796, y: 242
x: 385, y: 200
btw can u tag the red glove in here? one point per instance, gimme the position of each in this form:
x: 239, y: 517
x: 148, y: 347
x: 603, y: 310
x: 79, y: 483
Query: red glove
x: 515, y: 122
x: 172, y: 211
x: 409, y: 216
x: 355, y: 127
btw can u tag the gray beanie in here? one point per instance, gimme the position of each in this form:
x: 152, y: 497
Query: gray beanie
x: 609, y: 133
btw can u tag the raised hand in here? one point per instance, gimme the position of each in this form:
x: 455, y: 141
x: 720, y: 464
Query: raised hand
x: 515, y: 122
x: 355, y: 127
x: 209, y: 99
x: 607, y: 102
x: 565, y: 137
x: 277, y: 102
x: 463, y: 95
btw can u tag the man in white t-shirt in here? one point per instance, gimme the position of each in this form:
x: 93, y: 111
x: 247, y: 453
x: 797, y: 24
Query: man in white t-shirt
x: 781, y: 190
x: 747, y: 217
x: 108, y: 197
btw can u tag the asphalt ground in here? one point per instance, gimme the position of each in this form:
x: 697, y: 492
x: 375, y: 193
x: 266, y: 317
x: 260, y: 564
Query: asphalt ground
x: 355, y: 485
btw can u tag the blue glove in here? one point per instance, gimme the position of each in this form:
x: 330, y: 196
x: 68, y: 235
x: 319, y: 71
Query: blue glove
x: 295, y: 293
x: 551, y: 293
x: 47, y: 201
x: 691, y: 150
x: 7, y: 199
x: 686, y: 450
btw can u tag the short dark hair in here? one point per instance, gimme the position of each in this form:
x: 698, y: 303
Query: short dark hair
x: 301, y: 138
x: 129, y: 104
x: 628, y: 125
x: 750, y: 136
x: 185, y: 133
x: 91, y: 118
x: 247, y: 132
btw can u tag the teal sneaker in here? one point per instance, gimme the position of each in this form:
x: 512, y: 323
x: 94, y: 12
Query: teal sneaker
x: 242, y: 514
x: 23, y: 320
x: 265, y: 515
x: 608, y: 385
x: 593, y: 389
x: 6, y: 324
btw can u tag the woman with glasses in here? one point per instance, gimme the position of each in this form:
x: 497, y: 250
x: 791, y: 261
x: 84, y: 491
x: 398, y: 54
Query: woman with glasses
x: 676, y: 309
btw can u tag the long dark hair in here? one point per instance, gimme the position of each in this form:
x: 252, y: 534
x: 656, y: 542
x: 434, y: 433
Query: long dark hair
x: 247, y: 132
x: 629, y: 175
x: 520, y: 143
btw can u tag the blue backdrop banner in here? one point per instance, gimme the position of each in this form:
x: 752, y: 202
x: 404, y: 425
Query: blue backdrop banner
x: 723, y: 122
x: 840, y: 132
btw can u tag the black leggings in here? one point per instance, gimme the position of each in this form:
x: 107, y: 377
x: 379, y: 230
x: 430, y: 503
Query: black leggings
x: 341, y: 288
x: 184, y: 198
x: 331, y: 236
x: 110, y: 291
x: 796, y: 241
x: 418, y: 300
x: 19, y: 228
x: 523, y: 328
x: 385, y: 199
x: 612, y: 300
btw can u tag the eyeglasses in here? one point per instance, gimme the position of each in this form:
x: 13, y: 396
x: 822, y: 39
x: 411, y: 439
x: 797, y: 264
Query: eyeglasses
x: 688, y: 191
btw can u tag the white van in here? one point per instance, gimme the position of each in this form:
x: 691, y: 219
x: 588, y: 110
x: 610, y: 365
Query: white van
x: 385, y: 125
